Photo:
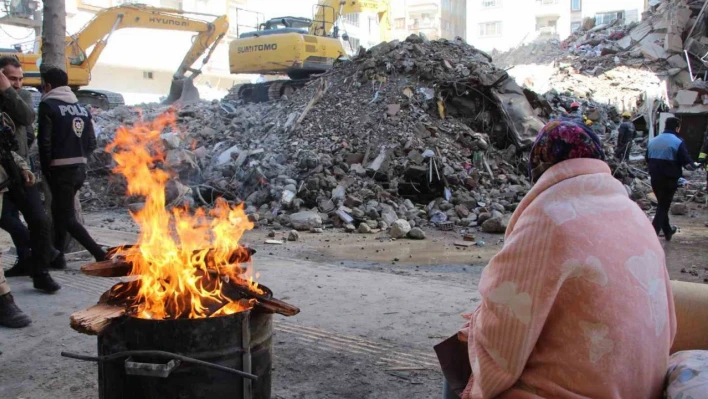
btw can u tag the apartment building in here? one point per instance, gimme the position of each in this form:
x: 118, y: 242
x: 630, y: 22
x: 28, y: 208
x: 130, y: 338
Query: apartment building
x: 503, y: 24
x: 435, y: 18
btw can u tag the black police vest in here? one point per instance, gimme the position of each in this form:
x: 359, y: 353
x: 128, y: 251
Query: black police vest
x: 70, y: 140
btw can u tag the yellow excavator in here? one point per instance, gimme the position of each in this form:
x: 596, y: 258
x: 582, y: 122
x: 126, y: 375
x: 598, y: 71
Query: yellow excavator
x: 96, y: 33
x: 297, y: 47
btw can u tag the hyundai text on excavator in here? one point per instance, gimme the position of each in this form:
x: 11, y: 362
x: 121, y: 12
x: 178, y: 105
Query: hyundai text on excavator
x: 97, y: 32
x: 297, y: 47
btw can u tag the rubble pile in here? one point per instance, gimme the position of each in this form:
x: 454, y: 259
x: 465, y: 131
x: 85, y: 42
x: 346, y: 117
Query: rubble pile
x: 408, y: 135
x: 654, y: 45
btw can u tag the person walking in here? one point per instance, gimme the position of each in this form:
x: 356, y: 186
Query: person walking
x: 667, y: 156
x: 65, y: 139
x: 10, y: 314
x: 34, y: 245
x: 625, y: 137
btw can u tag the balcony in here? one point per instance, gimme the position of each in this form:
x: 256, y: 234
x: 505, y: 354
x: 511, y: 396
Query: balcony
x: 423, y: 6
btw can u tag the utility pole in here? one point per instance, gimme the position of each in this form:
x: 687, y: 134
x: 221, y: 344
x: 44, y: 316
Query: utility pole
x: 54, y: 34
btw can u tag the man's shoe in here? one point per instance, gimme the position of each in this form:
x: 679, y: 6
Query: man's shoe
x: 20, y: 268
x: 10, y: 315
x: 59, y: 263
x: 674, y: 229
x: 44, y: 282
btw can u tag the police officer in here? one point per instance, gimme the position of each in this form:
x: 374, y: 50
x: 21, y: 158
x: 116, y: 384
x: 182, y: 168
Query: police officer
x: 667, y: 156
x: 66, y: 139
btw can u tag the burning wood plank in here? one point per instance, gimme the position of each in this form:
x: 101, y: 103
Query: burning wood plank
x: 93, y: 320
x: 107, y: 268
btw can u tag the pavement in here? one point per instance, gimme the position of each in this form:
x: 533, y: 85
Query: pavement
x: 361, y: 333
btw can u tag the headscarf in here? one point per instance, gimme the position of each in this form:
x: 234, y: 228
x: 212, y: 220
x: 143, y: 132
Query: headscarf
x: 559, y: 141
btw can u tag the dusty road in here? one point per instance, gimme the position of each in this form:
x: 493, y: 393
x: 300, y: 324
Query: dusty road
x: 372, y: 309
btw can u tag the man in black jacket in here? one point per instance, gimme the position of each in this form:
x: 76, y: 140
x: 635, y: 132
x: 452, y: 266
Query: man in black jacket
x: 66, y: 138
x: 17, y: 104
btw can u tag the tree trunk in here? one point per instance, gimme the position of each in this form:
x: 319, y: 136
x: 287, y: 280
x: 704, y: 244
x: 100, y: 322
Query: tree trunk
x: 54, y: 34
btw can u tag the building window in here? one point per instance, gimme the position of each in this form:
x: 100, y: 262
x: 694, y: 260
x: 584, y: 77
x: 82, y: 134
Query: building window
x: 575, y: 5
x: 491, y: 3
x: 148, y: 75
x: 608, y: 17
x: 488, y: 29
x: 400, y: 23
x: 352, y: 19
x: 575, y: 26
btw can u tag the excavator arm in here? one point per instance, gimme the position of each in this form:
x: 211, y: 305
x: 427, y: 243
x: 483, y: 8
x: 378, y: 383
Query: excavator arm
x: 97, y: 32
x: 329, y: 11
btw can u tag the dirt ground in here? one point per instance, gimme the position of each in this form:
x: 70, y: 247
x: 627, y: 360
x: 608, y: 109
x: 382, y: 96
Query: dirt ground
x: 372, y: 309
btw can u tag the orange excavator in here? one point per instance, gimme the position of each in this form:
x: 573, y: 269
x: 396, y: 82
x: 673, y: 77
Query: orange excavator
x: 98, y: 31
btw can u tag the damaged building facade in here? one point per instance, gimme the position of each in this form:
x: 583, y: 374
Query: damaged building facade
x: 497, y: 24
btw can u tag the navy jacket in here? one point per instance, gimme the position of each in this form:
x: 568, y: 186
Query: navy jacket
x: 66, y: 136
x: 666, y: 156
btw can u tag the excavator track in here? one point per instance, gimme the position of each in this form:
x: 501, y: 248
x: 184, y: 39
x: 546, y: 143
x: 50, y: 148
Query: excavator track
x: 268, y: 91
x: 103, y: 99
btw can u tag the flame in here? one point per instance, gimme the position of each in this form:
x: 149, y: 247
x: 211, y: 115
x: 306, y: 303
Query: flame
x: 183, y: 260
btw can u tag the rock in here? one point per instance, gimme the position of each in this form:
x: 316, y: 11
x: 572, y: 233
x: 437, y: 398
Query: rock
x: 293, y: 235
x: 462, y: 211
x: 679, y: 208
x: 645, y: 205
x: 416, y: 233
x: 498, y: 207
x: 408, y: 204
x: 353, y: 201
x: 364, y: 228
x: 271, y: 234
x: 383, y: 225
x: 171, y: 141
x: 317, y: 230
x: 136, y: 206
x: 400, y: 228
x: 349, y: 228
x: 483, y: 217
x: 304, y: 221
x: 225, y: 156
x: 389, y: 216
x: 494, y: 226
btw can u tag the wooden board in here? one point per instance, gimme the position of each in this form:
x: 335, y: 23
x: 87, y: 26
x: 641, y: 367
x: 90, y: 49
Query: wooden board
x: 93, y: 320
x: 107, y: 268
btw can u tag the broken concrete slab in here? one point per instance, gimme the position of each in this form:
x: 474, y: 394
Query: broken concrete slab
x: 653, y: 52
x: 673, y: 43
x: 640, y: 31
x: 677, y: 61
x: 686, y: 97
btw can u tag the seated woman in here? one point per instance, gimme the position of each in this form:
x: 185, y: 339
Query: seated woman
x: 578, y: 302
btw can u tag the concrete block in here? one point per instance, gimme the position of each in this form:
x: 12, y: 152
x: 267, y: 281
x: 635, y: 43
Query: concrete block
x: 673, y: 43
x: 625, y: 43
x: 682, y: 80
x: 686, y: 97
x: 653, y: 52
x: 677, y: 61
x: 653, y: 38
x: 640, y: 31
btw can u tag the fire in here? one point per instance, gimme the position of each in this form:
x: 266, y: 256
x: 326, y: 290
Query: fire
x: 184, y: 260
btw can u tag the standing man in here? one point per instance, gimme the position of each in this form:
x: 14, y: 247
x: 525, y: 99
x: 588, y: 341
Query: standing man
x: 625, y: 137
x: 17, y: 105
x: 66, y: 139
x: 10, y: 315
x: 666, y: 156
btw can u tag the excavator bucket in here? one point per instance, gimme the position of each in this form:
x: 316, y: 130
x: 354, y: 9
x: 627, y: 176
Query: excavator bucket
x: 182, y: 91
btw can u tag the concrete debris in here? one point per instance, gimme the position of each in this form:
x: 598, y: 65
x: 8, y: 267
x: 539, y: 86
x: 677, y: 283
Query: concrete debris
x: 494, y: 225
x: 416, y: 233
x: 293, y: 235
x: 419, y: 131
x: 400, y: 228
x: 679, y: 208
